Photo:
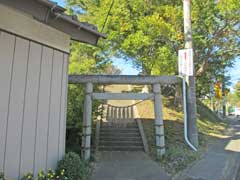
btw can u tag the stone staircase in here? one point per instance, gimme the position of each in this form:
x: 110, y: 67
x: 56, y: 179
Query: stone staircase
x: 120, y: 138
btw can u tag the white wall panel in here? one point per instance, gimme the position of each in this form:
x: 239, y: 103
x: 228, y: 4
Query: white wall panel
x: 63, y: 110
x: 33, y: 86
x: 30, y: 110
x: 7, y: 43
x: 43, y: 110
x: 16, y: 108
x: 55, y: 104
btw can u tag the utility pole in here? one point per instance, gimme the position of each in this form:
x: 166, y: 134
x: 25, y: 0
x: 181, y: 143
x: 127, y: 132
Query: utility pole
x: 191, y: 89
x: 223, y: 98
x: 223, y: 93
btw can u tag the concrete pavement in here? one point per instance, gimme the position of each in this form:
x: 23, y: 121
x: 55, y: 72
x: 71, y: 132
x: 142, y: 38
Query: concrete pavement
x: 127, y: 166
x: 221, y: 161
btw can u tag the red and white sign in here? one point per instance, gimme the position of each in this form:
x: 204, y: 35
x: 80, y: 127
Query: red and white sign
x: 185, y: 62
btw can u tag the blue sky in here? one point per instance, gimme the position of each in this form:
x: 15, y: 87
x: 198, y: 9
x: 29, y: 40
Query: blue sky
x: 235, y: 71
x: 126, y: 67
x: 60, y: 2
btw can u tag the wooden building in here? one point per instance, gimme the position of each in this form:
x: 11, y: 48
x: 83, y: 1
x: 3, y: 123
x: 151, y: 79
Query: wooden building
x: 34, y: 49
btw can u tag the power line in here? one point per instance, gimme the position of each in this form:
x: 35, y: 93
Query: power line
x: 110, y: 8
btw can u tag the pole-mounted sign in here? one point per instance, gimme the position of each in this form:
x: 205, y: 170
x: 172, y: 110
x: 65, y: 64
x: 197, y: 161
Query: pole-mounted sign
x: 185, y: 68
x: 185, y: 62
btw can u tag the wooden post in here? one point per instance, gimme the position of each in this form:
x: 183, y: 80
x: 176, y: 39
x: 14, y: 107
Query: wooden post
x: 128, y: 115
x: 108, y: 113
x: 87, y: 122
x: 124, y: 113
x: 119, y: 113
x: 132, y: 114
x: 114, y: 118
x: 159, y: 129
x: 111, y: 114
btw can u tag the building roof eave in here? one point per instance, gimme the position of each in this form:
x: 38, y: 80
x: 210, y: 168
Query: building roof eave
x: 80, y: 25
x: 51, y: 14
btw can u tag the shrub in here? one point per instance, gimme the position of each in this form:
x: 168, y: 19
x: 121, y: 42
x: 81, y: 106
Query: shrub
x: 75, y: 117
x: 50, y: 175
x: 28, y: 176
x: 70, y: 168
x: 2, y: 176
x: 75, y: 168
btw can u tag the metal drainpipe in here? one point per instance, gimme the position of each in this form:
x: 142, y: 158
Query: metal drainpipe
x: 185, y: 115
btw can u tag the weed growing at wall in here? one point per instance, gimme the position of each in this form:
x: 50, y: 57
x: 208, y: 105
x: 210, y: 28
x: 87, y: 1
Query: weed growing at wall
x: 71, y: 167
x: 75, y: 168
x: 2, y: 176
x: 50, y: 175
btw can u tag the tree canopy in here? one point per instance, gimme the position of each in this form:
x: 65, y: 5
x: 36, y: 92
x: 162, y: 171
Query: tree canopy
x: 237, y: 89
x: 234, y: 96
x: 148, y: 34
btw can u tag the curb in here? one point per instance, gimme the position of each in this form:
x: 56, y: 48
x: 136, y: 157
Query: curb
x: 236, y: 171
x: 231, y: 172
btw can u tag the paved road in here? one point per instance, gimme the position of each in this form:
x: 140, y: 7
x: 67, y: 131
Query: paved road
x: 127, y: 166
x: 238, y: 175
x: 221, y: 161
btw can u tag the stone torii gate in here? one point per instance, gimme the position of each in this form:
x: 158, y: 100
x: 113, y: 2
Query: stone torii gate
x: 155, y: 81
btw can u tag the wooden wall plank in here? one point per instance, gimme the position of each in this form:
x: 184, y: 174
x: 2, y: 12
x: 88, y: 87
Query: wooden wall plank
x: 30, y: 110
x: 14, y: 128
x: 54, y: 120
x: 43, y: 110
x: 63, y: 110
x: 33, y: 104
x: 7, y: 43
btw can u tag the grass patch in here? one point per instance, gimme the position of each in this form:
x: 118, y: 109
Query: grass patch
x: 178, y: 155
x: 209, y: 125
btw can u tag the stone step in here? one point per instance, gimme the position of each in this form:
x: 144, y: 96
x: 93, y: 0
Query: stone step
x: 119, y: 127
x: 120, y: 143
x: 122, y: 130
x: 112, y: 134
x: 137, y: 138
x: 132, y: 125
x: 120, y: 148
x: 114, y: 137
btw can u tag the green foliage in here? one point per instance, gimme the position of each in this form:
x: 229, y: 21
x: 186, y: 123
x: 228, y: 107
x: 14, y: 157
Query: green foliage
x: 75, y: 168
x: 149, y: 33
x: 141, y: 31
x: 28, y: 176
x: 71, y: 167
x: 2, y: 176
x: 234, y: 97
x: 50, y: 175
x: 74, y: 118
x: 84, y: 59
x: 216, y: 40
x: 75, y: 106
x: 237, y: 89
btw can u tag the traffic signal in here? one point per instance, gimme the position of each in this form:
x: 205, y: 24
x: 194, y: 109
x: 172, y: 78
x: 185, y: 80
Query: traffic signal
x: 226, y: 92
x: 218, y: 92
